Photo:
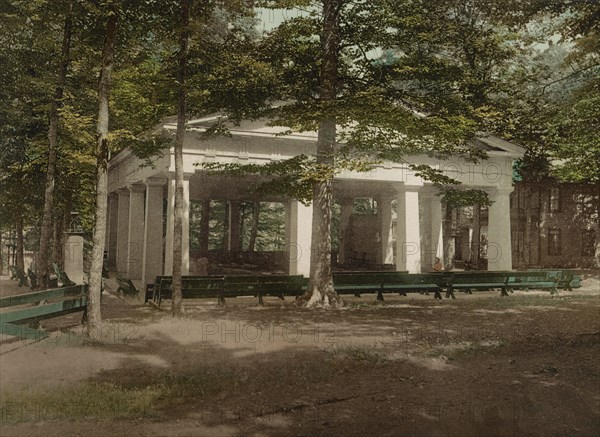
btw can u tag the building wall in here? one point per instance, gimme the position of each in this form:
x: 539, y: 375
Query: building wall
x: 554, y: 225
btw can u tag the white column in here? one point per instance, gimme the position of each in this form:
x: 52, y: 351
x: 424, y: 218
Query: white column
x: 113, y: 219
x: 122, y: 230
x: 384, y: 211
x: 299, y: 236
x: 135, y: 246
x: 152, y: 265
x: 433, y: 227
x: 346, y: 206
x: 408, y: 237
x: 185, y: 250
x: 499, y: 253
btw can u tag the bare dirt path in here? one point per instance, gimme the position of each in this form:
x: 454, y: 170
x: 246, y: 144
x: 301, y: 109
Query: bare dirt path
x: 478, y: 365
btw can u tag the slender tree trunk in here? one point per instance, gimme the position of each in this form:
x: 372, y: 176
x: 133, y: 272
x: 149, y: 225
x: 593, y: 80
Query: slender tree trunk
x: 204, y: 227
x: 254, y: 229
x: 597, y: 231
x: 19, y: 257
x: 476, y: 238
x: 320, y: 288
x: 94, y: 316
x: 544, y: 197
x: 46, y: 231
x: 177, y: 301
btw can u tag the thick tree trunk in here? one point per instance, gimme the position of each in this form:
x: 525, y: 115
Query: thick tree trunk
x: 320, y: 288
x: 254, y: 229
x: 177, y: 301
x: 597, y: 230
x: 94, y: 316
x: 476, y: 238
x: 46, y: 231
x: 19, y: 257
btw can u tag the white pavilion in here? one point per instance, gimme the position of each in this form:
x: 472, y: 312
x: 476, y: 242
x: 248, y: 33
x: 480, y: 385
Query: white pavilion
x: 140, y: 230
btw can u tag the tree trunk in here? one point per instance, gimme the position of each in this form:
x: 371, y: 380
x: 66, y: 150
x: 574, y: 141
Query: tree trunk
x: 94, y: 316
x: 19, y: 257
x: 177, y: 301
x: 320, y: 288
x: 544, y: 200
x: 254, y: 229
x: 597, y: 230
x: 46, y: 231
x: 476, y: 238
x: 204, y: 227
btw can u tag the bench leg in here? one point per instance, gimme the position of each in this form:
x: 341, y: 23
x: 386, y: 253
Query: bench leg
x: 437, y: 294
x: 450, y: 293
x: 356, y: 294
x: 260, y: 299
x: 503, y: 292
x: 380, y: 296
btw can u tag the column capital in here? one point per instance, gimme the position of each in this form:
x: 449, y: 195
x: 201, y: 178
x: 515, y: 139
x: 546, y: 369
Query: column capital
x: 500, y: 191
x: 123, y: 192
x: 186, y: 176
x: 156, y: 181
x: 413, y: 188
x: 113, y: 195
x: 429, y: 191
x: 137, y: 188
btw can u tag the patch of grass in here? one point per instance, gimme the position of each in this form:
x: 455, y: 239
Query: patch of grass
x: 81, y: 402
x: 356, y: 353
x: 103, y: 400
x: 456, y: 351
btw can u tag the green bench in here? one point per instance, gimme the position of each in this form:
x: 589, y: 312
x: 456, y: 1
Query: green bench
x: 564, y: 278
x: 220, y: 287
x: 482, y: 281
x: 357, y: 283
x: 575, y: 282
x: 263, y: 285
x: 387, y: 282
x: 534, y: 279
x: 61, y: 277
x: 46, y: 304
x: 126, y: 287
x: 192, y: 287
x: 420, y: 282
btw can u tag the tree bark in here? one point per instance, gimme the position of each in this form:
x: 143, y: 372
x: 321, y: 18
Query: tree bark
x: 320, y: 290
x: 19, y: 257
x: 46, y: 231
x: 204, y: 227
x: 94, y: 316
x: 476, y: 238
x: 177, y: 301
x: 254, y: 229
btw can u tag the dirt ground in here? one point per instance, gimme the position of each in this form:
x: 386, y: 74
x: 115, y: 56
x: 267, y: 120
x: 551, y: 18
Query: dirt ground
x: 481, y: 365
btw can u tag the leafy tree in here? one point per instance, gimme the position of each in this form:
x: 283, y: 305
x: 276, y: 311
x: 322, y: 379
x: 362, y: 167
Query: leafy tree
x: 427, y: 94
